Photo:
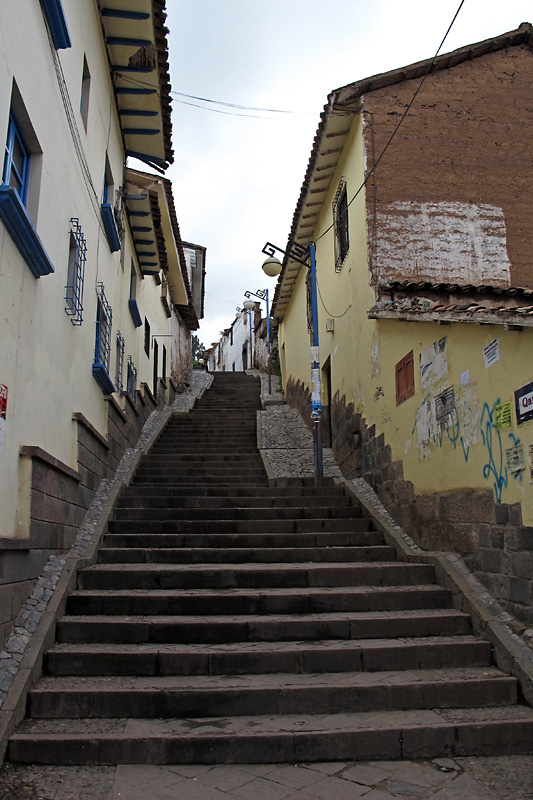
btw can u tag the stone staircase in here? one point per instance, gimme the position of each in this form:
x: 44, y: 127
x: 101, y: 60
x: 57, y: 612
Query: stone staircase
x: 229, y: 621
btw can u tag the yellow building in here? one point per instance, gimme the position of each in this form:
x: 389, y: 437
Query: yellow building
x: 418, y: 195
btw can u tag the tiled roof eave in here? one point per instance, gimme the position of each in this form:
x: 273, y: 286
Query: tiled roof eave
x: 143, y: 91
x: 506, y: 317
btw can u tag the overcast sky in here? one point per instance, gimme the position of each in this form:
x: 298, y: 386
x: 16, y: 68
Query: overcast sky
x: 237, y: 175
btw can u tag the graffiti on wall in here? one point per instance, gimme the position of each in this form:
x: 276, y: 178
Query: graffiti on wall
x: 450, y: 419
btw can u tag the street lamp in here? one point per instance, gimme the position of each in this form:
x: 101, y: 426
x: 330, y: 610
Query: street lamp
x: 307, y: 257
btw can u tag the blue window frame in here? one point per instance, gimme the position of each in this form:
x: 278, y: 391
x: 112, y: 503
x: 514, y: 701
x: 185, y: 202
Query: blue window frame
x: 131, y: 383
x: 13, y: 196
x: 132, y: 302
x: 119, y: 381
x: 55, y: 16
x: 17, y: 161
x: 102, y: 346
x: 76, y: 273
x: 108, y: 212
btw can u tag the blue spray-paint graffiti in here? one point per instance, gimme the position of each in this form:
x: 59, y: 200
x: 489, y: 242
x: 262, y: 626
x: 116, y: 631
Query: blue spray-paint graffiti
x: 492, y: 440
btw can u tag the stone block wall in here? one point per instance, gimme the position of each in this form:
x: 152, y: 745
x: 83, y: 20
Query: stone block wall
x: 60, y: 495
x: 490, y: 537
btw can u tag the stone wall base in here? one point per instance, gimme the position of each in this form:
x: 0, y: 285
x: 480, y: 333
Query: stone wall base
x: 60, y: 495
x: 490, y: 537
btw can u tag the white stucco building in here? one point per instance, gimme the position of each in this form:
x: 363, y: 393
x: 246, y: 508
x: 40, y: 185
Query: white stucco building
x: 96, y: 297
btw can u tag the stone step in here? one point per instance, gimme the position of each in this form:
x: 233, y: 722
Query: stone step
x: 276, y: 693
x: 206, y: 472
x: 135, y: 628
x: 257, y: 541
x: 204, y: 451
x: 247, y: 601
x: 263, y: 513
x: 250, y: 482
x: 235, y: 555
x: 248, y: 526
x: 378, y: 735
x: 253, y: 501
x: 199, y: 457
x: 254, y: 576
x: 373, y: 655
x: 332, y: 493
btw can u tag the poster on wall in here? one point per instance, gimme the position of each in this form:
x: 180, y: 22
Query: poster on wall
x: 515, y: 458
x: 523, y: 400
x: 503, y: 416
x: 491, y: 353
x: 3, y: 415
x: 445, y: 411
x: 433, y: 363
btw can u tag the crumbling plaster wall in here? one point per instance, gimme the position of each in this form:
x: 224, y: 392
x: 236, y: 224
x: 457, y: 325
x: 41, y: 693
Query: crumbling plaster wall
x: 452, y: 198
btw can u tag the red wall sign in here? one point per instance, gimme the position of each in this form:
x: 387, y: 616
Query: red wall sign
x: 3, y: 401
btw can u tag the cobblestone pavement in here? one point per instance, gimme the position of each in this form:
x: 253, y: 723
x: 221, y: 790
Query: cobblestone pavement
x: 503, y: 778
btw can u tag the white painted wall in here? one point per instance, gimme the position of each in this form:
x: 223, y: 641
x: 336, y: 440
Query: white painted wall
x: 45, y: 361
x: 236, y: 345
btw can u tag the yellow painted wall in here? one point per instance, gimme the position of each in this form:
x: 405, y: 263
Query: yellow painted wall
x: 470, y: 452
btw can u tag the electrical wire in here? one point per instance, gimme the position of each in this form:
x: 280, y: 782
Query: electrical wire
x: 176, y: 95
x: 242, y: 108
x: 231, y: 302
x: 76, y: 138
x: 334, y: 316
x: 396, y: 129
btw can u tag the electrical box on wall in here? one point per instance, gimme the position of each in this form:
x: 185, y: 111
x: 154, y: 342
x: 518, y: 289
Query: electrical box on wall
x: 330, y: 325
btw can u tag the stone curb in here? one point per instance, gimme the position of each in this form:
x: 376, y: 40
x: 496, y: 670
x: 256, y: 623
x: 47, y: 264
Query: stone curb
x: 83, y: 553
x: 511, y: 653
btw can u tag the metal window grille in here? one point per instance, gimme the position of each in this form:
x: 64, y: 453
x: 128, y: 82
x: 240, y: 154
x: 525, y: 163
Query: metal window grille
x: 76, y: 273
x: 340, y: 222
x: 131, y: 381
x: 102, y: 348
x: 119, y: 382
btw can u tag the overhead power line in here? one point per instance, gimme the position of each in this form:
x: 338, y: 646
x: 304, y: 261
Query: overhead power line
x: 238, y: 109
x: 396, y: 129
x: 242, y: 108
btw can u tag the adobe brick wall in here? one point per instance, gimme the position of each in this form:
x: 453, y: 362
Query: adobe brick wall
x: 60, y: 496
x: 466, y: 138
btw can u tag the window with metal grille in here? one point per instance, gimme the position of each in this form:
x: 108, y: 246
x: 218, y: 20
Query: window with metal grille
x: 131, y: 378
x: 76, y: 273
x: 119, y: 368
x: 405, y: 378
x: 102, y: 346
x: 340, y: 225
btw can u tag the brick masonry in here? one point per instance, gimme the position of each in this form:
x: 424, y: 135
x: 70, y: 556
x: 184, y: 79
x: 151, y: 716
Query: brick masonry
x: 60, y: 496
x: 490, y: 537
x: 466, y: 138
